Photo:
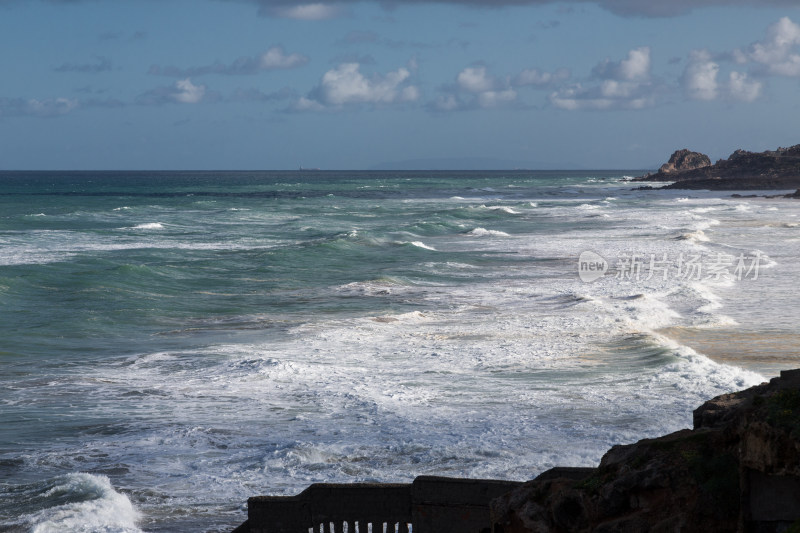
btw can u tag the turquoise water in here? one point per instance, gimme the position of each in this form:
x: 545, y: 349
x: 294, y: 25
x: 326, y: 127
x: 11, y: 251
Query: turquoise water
x: 172, y: 343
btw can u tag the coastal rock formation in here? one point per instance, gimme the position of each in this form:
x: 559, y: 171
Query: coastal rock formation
x: 684, y: 160
x: 737, y: 470
x: 743, y: 170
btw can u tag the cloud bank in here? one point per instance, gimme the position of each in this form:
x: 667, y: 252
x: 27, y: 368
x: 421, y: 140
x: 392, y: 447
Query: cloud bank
x: 624, y: 84
x: 476, y: 88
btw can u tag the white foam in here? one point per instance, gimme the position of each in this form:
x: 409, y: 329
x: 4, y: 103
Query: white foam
x: 694, y: 236
x: 502, y: 208
x: 98, y: 507
x: 483, y: 232
x: 420, y: 244
x: 149, y: 225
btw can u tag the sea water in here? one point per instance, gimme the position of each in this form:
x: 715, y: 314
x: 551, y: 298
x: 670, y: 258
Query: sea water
x: 173, y: 343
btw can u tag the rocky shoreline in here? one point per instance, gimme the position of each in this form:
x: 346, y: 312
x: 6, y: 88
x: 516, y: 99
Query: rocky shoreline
x: 743, y: 170
x: 737, y: 470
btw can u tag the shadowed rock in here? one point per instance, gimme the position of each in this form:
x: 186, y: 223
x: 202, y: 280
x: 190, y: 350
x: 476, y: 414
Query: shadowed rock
x: 778, y: 169
x: 685, y: 160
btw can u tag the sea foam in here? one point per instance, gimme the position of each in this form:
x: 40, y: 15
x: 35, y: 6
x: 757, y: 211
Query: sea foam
x: 83, y: 503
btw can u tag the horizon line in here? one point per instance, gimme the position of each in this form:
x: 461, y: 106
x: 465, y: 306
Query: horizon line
x: 312, y: 170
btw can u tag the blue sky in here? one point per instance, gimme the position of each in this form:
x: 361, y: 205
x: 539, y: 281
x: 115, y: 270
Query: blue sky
x: 272, y: 84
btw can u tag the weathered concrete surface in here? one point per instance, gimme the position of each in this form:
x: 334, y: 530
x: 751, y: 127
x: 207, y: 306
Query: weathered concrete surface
x: 431, y: 504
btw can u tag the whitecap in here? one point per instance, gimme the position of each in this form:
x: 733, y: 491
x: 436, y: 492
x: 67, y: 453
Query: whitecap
x: 92, y: 505
x: 502, y: 208
x: 149, y: 225
x: 418, y: 244
x: 483, y: 232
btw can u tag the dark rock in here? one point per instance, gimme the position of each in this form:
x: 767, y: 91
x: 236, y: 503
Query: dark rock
x: 795, y: 194
x: 737, y: 470
x: 684, y: 160
x: 743, y: 170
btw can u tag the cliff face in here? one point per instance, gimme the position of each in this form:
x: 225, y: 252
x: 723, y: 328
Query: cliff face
x: 778, y: 169
x: 738, y: 469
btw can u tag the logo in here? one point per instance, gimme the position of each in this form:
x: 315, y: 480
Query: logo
x: 591, y: 266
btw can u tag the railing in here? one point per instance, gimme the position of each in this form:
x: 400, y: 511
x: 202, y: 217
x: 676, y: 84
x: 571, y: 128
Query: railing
x: 428, y: 505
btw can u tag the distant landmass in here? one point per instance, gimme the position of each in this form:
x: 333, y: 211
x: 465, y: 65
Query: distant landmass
x: 743, y: 170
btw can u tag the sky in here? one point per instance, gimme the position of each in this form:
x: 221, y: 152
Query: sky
x: 398, y: 84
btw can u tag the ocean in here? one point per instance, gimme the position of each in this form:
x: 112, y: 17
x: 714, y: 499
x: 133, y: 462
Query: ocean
x: 172, y: 343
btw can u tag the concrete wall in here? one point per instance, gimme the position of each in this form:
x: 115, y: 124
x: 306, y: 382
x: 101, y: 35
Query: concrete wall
x: 429, y: 504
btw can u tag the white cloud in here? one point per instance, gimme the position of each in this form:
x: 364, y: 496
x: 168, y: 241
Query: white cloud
x: 47, y: 107
x: 317, y: 11
x: 624, y: 84
x: 610, y: 94
x: 778, y: 53
x: 495, y: 98
x: 187, y: 92
x: 475, y: 80
x: 538, y: 78
x: 275, y: 58
x: 699, y: 79
x: 475, y: 88
x: 346, y: 85
x: 306, y: 104
x: 743, y: 88
x: 410, y: 94
x: 182, y: 92
x: 446, y: 102
x: 632, y: 8
x: 51, y: 106
x: 635, y: 67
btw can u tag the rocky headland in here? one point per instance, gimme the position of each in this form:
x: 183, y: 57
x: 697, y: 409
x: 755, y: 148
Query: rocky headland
x: 743, y: 170
x: 737, y: 470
